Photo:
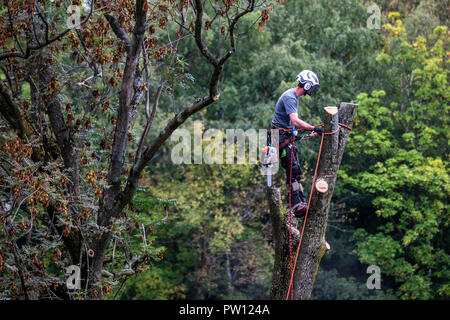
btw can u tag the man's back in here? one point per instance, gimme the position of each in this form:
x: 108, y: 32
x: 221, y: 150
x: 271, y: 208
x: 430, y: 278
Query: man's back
x: 286, y: 104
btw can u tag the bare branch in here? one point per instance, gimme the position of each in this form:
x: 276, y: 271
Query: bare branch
x: 12, y: 28
x: 149, y: 152
x: 161, y: 85
x: 250, y: 8
x: 117, y: 29
x: 12, y: 113
x: 198, y: 34
x: 44, y: 21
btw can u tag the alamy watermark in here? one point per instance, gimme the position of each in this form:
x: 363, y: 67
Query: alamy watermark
x: 74, y: 21
x: 215, y: 146
x: 73, y: 281
x: 374, y: 280
x: 374, y: 21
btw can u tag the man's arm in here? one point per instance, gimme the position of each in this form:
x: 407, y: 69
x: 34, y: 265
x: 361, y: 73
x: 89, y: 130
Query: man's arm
x: 300, y: 124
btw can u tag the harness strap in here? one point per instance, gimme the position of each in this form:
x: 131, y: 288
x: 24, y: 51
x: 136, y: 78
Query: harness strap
x: 282, y: 145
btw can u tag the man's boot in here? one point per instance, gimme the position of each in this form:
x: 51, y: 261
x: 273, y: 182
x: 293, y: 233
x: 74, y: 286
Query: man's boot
x: 299, y: 209
x: 298, y: 200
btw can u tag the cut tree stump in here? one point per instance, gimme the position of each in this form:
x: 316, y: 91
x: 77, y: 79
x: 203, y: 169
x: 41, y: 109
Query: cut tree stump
x: 313, y: 245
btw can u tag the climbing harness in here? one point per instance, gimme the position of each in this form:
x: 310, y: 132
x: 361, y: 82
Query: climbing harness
x: 291, y: 289
x: 270, y: 154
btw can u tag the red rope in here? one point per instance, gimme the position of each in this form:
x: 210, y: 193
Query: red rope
x: 291, y: 284
x: 290, y: 212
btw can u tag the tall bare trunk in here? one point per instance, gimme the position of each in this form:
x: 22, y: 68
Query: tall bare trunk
x: 313, y: 245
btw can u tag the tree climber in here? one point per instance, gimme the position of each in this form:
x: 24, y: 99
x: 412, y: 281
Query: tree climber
x: 285, y: 119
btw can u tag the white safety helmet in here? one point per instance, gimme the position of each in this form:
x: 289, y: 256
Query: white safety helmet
x: 308, y: 80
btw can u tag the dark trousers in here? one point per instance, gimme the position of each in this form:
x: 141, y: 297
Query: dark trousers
x: 286, y: 154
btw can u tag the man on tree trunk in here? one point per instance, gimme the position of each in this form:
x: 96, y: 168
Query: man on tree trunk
x: 286, y: 120
x: 298, y: 252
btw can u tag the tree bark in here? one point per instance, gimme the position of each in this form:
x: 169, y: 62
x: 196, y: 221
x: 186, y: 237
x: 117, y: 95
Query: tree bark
x: 313, y: 245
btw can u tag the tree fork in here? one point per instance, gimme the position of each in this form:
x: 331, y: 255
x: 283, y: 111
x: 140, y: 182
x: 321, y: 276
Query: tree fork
x: 313, y: 245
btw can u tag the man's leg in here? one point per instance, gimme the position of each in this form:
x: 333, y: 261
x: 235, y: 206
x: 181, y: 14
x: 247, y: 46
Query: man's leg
x: 298, y: 201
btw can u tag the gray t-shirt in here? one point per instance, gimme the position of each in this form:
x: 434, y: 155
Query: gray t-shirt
x: 286, y: 104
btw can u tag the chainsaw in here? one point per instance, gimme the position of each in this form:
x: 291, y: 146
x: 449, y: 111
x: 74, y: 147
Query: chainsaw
x: 269, y: 156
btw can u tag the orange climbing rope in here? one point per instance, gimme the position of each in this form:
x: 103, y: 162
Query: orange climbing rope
x: 291, y: 285
x: 290, y: 212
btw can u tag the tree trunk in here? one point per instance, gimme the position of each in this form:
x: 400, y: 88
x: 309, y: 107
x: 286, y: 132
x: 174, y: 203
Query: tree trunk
x: 313, y: 245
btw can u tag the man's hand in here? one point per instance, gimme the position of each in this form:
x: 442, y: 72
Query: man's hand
x: 318, y: 130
